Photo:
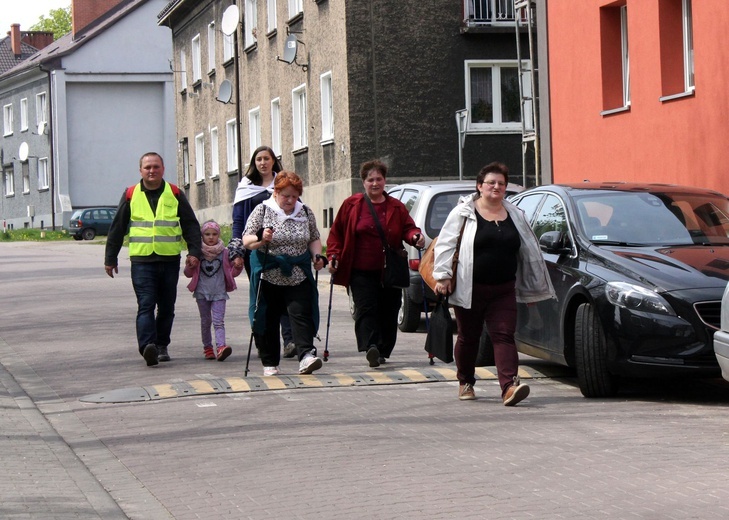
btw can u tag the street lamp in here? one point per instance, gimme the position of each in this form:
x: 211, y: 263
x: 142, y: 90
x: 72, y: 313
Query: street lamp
x: 230, y: 23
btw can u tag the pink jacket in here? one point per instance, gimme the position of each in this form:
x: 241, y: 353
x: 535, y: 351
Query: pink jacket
x: 230, y: 271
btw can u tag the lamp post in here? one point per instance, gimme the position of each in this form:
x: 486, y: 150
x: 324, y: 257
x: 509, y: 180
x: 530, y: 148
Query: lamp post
x: 230, y: 23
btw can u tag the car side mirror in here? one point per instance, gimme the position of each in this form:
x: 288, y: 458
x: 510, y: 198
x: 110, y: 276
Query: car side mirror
x: 554, y: 242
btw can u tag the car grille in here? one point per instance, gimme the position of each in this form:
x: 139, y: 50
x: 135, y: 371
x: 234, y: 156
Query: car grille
x: 709, y: 313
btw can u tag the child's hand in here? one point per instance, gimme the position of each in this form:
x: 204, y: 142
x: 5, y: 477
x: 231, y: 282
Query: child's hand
x: 191, y: 261
x: 238, y: 262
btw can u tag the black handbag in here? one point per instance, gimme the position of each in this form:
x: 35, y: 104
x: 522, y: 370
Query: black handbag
x: 439, y: 341
x: 395, y: 272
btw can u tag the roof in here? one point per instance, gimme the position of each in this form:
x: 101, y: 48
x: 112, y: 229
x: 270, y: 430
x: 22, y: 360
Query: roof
x: 68, y: 44
x: 8, y: 59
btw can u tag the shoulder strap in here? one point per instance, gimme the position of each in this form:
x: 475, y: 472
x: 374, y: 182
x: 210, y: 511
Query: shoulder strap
x: 173, y: 187
x: 377, y: 222
x: 130, y: 192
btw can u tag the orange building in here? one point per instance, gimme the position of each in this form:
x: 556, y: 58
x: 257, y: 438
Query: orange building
x: 636, y: 91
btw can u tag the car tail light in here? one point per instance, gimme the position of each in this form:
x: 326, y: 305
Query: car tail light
x: 414, y: 264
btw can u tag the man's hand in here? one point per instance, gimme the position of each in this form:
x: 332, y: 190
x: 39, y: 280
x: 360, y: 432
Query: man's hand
x: 111, y: 269
x: 191, y: 261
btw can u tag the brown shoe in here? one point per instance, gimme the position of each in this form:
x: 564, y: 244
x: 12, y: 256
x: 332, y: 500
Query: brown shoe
x: 515, y: 393
x: 466, y: 393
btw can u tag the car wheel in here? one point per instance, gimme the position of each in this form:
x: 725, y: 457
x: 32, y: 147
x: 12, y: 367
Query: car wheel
x: 88, y: 234
x: 77, y: 237
x: 485, y: 357
x: 408, y: 319
x: 591, y: 355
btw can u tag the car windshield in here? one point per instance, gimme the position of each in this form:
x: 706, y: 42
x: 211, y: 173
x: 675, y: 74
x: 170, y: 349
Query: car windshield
x: 659, y: 218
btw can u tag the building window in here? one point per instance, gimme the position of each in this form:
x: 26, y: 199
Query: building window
x: 276, y: 126
x: 8, y: 120
x: 298, y: 96
x: 327, y: 107
x: 251, y: 22
x: 254, y: 128
x: 25, y: 170
x: 271, y: 23
x: 228, y: 47
x: 199, y: 157
x: 211, y: 47
x: 295, y: 7
x: 185, y: 162
x: 615, y: 58
x: 24, y: 114
x: 214, y: 154
x: 231, y: 145
x: 677, y: 54
x: 41, y: 110
x: 43, y: 181
x: 9, y: 183
x: 183, y: 72
x: 196, y: 59
x: 492, y: 95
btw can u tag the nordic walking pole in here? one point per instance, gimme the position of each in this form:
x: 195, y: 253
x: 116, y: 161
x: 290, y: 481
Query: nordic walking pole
x: 258, y: 299
x: 329, y: 312
x: 425, y: 304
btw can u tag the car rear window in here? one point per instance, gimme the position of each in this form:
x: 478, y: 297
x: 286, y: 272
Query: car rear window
x: 440, y: 206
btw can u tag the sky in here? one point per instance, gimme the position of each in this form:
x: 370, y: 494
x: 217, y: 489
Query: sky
x: 26, y: 12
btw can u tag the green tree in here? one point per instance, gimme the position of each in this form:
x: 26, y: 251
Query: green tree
x: 58, y: 22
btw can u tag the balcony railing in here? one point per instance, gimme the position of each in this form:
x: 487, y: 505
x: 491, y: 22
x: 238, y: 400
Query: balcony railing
x: 488, y: 12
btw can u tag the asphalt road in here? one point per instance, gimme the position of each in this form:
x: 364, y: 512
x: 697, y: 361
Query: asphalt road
x: 376, y: 445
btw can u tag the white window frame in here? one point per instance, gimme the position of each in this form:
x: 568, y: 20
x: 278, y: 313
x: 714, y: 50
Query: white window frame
x: 185, y: 162
x: 688, y: 46
x: 295, y: 7
x: 272, y: 18
x: 228, y: 47
x: 8, y: 119
x: 254, y: 128
x: 43, y: 180
x: 298, y: 107
x: 251, y: 23
x: 214, y: 154
x: 24, y: 114
x: 200, y: 158
x: 41, y: 108
x: 498, y: 125
x: 183, y: 71
x: 9, y: 182
x: 25, y: 173
x: 327, y: 107
x: 231, y: 145
x: 625, y: 54
x: 211, y: 46
x: 276, y: 125
x: 196, y: 59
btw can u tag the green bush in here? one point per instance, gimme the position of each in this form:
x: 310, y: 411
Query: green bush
x: 33, y: 235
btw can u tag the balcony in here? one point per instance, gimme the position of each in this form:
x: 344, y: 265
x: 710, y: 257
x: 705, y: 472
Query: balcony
x: 488, y: 15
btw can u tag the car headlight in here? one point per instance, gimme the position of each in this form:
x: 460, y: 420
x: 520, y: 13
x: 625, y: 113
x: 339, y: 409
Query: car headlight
x: 637, y: 298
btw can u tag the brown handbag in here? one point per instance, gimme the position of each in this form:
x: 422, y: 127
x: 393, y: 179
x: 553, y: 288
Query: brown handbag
x: 426, y: 262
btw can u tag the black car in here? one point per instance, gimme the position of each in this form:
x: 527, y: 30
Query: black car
x: 87, y: 223
x: 639, y: 271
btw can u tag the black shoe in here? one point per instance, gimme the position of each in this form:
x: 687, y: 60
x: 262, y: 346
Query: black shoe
x: 382, y: 360
x: 373, y: 356
x: 162, y: 354
x: 289, y: 350
x: 150, y: 355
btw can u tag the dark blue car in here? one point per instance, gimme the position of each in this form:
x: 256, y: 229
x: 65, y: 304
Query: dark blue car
x: 639, y: 270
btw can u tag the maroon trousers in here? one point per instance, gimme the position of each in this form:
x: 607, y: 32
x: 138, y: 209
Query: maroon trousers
x: 494, y: 305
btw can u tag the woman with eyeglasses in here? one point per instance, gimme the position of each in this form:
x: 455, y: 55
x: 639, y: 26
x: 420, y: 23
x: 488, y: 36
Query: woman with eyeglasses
x: 499, y: 263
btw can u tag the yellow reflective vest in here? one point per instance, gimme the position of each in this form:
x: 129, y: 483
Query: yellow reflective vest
x: 158, y: 232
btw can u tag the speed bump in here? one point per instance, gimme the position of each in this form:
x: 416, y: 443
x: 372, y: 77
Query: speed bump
x: 220, y: 385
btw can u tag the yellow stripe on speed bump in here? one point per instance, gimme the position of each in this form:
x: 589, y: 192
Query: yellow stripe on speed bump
x: 220, y: 385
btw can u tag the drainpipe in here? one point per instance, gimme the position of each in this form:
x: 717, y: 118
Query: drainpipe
x: 52, y: 172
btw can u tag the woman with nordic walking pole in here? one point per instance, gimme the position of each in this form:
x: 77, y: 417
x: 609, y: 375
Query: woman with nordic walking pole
x: 284, y: 238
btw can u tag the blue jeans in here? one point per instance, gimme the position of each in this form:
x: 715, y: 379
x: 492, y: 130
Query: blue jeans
x: 155, y: 284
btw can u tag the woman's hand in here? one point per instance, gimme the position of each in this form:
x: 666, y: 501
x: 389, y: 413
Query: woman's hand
x: 443, y: 287
x: 419, y: 241
x: 320, y: 262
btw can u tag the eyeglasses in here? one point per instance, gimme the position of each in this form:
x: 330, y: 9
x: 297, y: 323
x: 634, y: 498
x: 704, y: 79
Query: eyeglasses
x: 491, y: 184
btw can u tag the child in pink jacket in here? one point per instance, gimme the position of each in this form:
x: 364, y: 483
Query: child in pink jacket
x: 212, y: 280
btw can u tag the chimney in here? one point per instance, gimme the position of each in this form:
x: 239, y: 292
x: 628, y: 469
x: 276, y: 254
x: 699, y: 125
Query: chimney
x: 83, y: 12
x: 15, y: 39
x: 37, y: 39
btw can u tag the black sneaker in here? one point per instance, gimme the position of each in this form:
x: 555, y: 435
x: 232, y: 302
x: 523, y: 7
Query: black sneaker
x: 289, y: 350
x: 150, y: 355
x: 373, y: 356
x: 162, y: 354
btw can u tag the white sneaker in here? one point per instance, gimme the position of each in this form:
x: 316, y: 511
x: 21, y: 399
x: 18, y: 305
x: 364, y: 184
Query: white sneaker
x: 309, y: 363
x: 270, y: 371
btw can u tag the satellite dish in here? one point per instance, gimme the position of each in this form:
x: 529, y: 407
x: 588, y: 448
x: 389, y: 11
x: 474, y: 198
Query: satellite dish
x: 290, y: 49
x: 231, y: 16
x: 225, y: 91
x: 23, y: 151
x: 41, y: 128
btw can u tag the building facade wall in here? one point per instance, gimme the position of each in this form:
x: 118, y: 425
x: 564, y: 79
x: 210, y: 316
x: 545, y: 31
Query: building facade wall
x: 670, y: 141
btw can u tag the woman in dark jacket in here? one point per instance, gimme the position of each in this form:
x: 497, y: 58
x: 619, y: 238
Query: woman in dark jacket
x: 356, y: 256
